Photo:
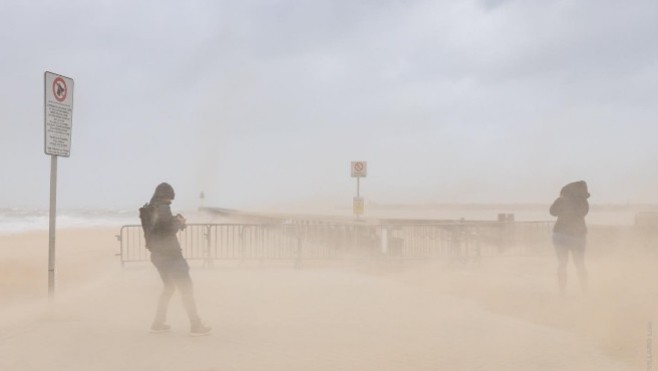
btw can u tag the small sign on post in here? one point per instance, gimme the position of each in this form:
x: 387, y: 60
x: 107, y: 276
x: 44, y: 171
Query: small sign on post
x: 359, y: 169
x: 58, y: 121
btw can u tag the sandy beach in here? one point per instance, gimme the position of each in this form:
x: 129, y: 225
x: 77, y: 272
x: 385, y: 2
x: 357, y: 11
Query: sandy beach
x: 357, y: 185
x: 500, y: 314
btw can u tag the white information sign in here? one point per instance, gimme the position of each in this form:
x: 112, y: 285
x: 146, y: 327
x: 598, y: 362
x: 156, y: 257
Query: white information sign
x: 359, y: 169
x: 58, y: 114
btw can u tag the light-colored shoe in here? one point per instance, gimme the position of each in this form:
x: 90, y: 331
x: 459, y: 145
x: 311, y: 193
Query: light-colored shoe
x: 158, y: 328
x: 200, y: 330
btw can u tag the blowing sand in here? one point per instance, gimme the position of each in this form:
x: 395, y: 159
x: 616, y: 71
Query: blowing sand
x: 500, y: 314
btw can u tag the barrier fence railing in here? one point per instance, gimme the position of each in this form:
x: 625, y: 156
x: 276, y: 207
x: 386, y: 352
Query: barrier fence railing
x: 322, y: 241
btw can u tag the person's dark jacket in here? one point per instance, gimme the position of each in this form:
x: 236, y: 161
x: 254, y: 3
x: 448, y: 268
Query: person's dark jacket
x: 163, y: 238
x: 571, y: 208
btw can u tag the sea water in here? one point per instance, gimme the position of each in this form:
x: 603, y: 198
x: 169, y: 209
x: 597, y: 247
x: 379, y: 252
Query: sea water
x: 19, y: 220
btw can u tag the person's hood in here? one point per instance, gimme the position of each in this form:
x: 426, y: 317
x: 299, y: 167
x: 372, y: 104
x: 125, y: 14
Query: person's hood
x: 163, y: 191
x: 575, y: 190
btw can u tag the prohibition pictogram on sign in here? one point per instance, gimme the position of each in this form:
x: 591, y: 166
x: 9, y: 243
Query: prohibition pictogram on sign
x: 359, y: 169
x: 59, y: 89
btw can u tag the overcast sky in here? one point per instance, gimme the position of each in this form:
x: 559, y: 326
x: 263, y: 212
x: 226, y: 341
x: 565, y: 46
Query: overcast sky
x: 262, y: 103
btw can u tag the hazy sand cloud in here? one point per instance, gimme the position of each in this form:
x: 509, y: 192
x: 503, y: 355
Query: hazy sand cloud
x: 473, y: 92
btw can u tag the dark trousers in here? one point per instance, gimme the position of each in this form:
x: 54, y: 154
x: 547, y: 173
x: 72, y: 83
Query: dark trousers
x: 564, y: 245
x: 175, y: 273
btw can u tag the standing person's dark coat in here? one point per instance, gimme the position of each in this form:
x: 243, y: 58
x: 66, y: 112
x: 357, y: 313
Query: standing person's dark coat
x: 570, y: 230
x: 168, y: 258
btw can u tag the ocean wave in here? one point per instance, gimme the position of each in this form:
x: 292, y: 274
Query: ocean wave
x: 17, y: 220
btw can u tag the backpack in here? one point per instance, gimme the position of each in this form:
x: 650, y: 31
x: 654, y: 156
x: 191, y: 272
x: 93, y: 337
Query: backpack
x: 147, y: 217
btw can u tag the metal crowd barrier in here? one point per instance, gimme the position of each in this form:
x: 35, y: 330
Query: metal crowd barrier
x: 460, y: 241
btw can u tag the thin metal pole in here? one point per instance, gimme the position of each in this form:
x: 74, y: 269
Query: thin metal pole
x: 358, y: 186
x: 51, y: 233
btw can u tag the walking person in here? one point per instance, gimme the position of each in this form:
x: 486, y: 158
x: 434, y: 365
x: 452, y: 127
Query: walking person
x: 160, y: 228
x: 570, y: 231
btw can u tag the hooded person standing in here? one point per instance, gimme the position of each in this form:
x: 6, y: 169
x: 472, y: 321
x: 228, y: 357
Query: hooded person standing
x: 570, y: 230
x: 167, y: 257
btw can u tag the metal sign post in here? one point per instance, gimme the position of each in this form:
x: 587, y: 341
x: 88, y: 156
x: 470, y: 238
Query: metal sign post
x: 58, y: 121
x: 359, y: 169
x: 51, y: 227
